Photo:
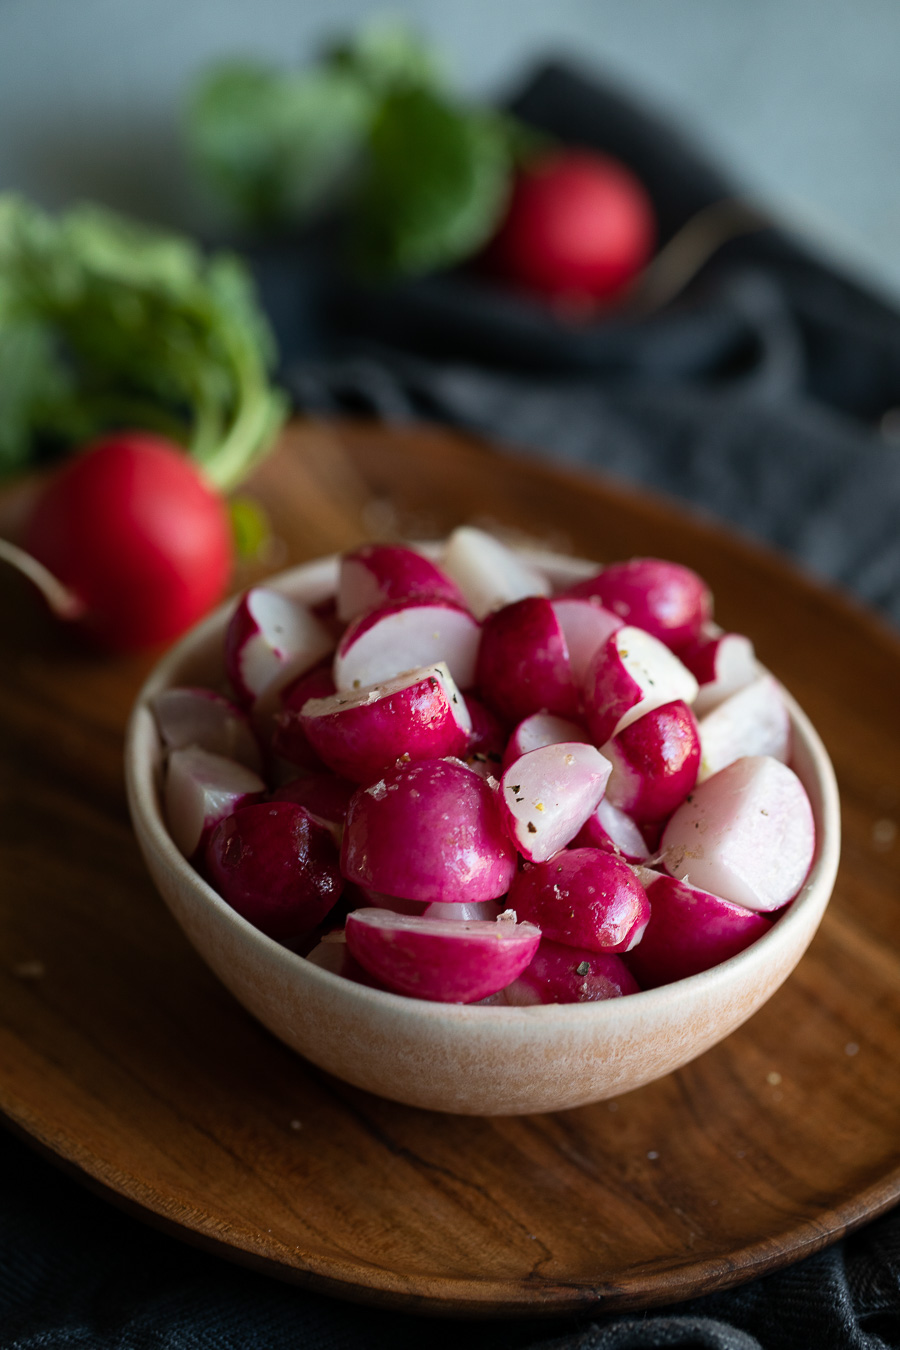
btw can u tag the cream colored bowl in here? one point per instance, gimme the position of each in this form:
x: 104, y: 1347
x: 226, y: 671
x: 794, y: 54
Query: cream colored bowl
x: 449, y: 1057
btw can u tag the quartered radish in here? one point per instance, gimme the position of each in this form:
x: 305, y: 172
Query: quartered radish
x: 752, y: 721
x: 586, y: 625
x: 418, y: 715
x: 376, y: 574
x: 612, y: 830
x: 721, y: 662
x: 200, y: 717
x: 405, y: 636
x: 277, y: 866
x: 562, y: 974
x: 487, y: 740
x: 441, y: 959
x: 655, y: 762
x: 541, y: 729
x: 488, y: 573
x: 583, y: 897
x: 479, y: 909
x: 270, y: 639
x: 201, y: 789
x: 746, y: 834
x: 288, y: 738
x: 690, y: 930
x: 325, y: 795
x: 523, y: 662
x: 428, y: 831
x: 629, y: 676
x: 664, y: 598
x: 548, y: 794
x: 337, y: 957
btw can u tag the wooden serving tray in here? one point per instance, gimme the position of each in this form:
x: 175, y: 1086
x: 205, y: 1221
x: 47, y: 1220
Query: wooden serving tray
x: 123, y: 1058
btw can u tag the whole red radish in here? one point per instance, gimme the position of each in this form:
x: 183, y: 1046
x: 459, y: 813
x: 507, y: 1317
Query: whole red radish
x: 133, y: 530
x: 579, y: 225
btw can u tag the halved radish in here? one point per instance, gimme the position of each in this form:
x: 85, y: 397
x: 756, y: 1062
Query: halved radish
x: 337, y: 957
x: 405, y: 636
x: 614, y: 831
x: 586, y: 625
x: 541, y: 729
x: 752, y: 721
x: 276, y: 866
x: 441, y: 960
x: 747, y: 834
x: 561, y: 974
x: 200, y: 717
x: 325, y: 796
x: 629, y: 676
x: 690, y: 930
x: 664, y: 598
x: 655, y: 762
x: 200, y: 790
x: 548, y: 794
x: 418, y: 715
x: 376, y: 574
x: 428, y: 831
x: 288, y: 739
x: 270, y: 639
x: 488, y: 573
x: 523, y: 662
x: 584, y: 898
x: 721, y: 662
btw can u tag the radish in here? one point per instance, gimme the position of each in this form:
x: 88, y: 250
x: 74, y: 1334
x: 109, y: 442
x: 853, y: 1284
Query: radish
x: 374, y: 575
x: 488, y: 573
x: 579, y: 225
x: 664, y: 598
x: 721, y: 662
x: 583, y: 898
x: 201, y: 789
x: 655, y: 762
x: 690, y: 930
x: 479, y: 909
x: 405, y: 636
x: 419, y: 715
x: 428, y: 831
x: 440, y: 959
x: 487, y: 739
x: 129, y: 540
x: 337, y: 957
x: 270, y: 640
x: 548, y: 794
x: 746, y: 834
x: 752, y: 721
x: 201, y: 717
x: 523, y: 662
x: 585, y: 626
x: 630, y: 675
x: 562, y: 974
x: 541, y: 729
x: 276, y: 866
x: 288, y: 738
x: 325, y: 796
x: 612, y: 830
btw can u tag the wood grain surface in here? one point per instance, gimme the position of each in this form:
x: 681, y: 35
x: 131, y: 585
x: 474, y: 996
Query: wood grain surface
x: 123, y: 1058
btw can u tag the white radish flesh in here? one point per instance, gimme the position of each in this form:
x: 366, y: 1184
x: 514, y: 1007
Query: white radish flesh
x: 200, y: 790
x: 586, y: 625
x: 664, y: 598
x: 746, y: 834
x: 376, y: 574
x: 630, y: 675
x: 405, y: 636
x: 548, y: 794
x: 753, y: 721
x: 488, y: 573
x: 722, y: 663
x: 270, y: 639
x: 541, y: 729
x: 200, y: 717
x: 612, y: 830
x: 584, y: 898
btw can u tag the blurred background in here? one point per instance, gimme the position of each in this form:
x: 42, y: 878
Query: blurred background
x: 796, y: 99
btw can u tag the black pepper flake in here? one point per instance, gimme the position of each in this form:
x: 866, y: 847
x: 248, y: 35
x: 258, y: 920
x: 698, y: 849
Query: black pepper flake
x: 517, y: 788
x: 532, y: 829
x: 583, y: 969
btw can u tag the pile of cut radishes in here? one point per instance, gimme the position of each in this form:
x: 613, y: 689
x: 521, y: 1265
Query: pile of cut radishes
x: 450, y: 782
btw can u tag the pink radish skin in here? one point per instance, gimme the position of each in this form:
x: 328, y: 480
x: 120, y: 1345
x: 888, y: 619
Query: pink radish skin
x: 337, y: 957
x: 487, y: 739
x: 655, y: 762
x: 377, y: 574
x: 586, y: 625
x: 523, y: 662
x: 325, y: 796
x: 276, y: 866
x: 269, y: 640
x: 610, y: 829
x: 405, y: 636
x: 664, y: 598
x: 747, y: 834
x: 288, y: 738
x: 419, y: 715
x: 488, y: 573
x: 200, y: 717
x: 561, y: 974
x: 547, y: 795
x: 538, y: 730
x: 583, y: 898
x: 690, y: 930
x: 752, y: 721
x: 428, y: 831
x: 201, y: 789
x: 439, y: 959
x: 721, y: 662
x: 629, y: 676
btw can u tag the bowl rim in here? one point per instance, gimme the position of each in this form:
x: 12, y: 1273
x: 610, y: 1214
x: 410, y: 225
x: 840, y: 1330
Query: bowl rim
x: 319, y: 575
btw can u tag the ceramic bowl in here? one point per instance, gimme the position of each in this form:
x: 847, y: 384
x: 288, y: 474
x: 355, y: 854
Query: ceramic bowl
x: 448, y: 1057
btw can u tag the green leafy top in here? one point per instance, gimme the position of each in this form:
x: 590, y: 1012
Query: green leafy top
x: 106, y: 323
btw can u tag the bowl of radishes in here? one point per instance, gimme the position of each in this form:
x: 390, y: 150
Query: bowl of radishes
x: 484, y: 830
